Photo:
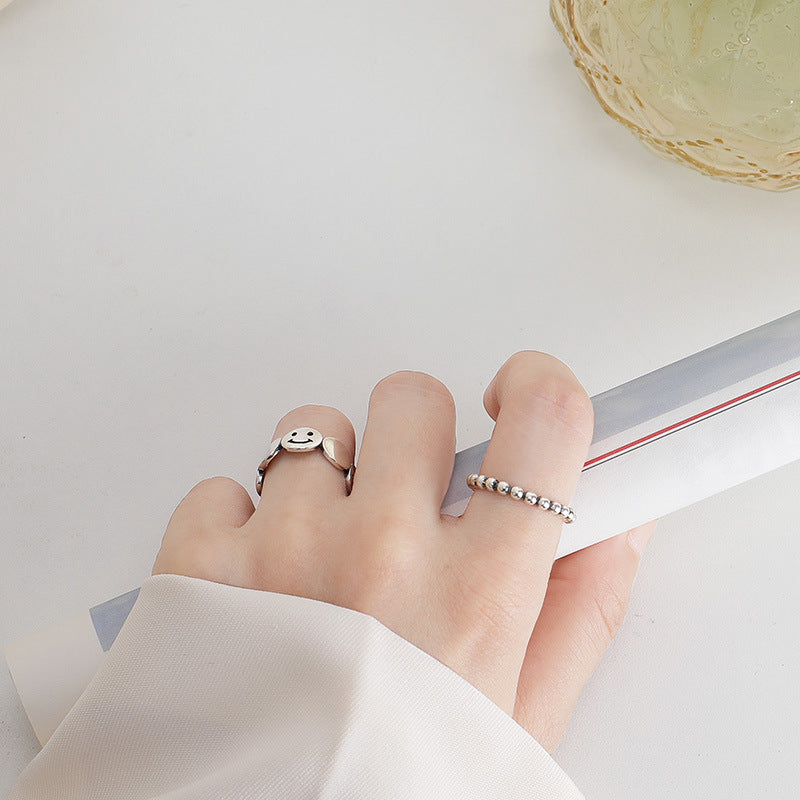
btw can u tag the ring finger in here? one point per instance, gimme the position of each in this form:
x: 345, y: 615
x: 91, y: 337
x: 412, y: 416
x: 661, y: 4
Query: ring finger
x: 299, y: 478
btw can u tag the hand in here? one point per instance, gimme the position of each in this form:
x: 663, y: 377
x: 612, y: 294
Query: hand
x: 480, y: 592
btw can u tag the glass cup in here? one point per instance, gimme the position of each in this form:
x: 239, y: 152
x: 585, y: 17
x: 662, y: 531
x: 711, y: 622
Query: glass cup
x: 714, y: 84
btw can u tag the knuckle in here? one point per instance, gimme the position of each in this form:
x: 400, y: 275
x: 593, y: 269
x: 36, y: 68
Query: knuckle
x: 397, y: 548
x: 218, y: 491
x: 199, y: 498
x: 420, y: 383
x: 212, y: 506
x: 387, y: 560
x: 386, y: 570
x: 565, y: 399
x: 213, y: 488
x: 313, y: 414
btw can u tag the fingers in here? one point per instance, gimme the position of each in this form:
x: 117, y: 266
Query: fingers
x: 406, y: 458
x: 215, y: 504
x: 212, y: 509
x: 543, y: 429
x: 584, y: 607
x: 506, y: 548
x: 305, y: 481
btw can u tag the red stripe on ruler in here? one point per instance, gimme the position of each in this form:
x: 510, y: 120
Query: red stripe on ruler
x: 694, y: 418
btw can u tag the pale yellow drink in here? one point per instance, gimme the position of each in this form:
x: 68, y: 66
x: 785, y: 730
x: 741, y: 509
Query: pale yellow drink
x: 712, y: 83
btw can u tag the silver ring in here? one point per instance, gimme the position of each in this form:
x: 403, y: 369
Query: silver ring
x: 476, y: 481
x: 304, y: 439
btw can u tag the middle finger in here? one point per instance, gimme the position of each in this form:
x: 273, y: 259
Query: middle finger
x: 406, y: 458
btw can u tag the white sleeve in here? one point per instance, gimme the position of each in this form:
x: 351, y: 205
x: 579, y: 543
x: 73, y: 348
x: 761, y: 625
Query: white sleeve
x: 212, y: 691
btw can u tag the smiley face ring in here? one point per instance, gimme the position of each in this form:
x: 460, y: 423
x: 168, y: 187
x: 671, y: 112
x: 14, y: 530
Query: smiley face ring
x: 305, y: 440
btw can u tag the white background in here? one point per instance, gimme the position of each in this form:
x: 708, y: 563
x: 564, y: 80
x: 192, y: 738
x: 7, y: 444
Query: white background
x: 213, y: 212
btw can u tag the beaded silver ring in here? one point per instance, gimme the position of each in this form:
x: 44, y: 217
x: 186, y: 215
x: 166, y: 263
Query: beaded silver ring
x: 476, y: 481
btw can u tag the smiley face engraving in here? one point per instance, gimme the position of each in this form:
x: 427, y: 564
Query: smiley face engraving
x: 301, y: 439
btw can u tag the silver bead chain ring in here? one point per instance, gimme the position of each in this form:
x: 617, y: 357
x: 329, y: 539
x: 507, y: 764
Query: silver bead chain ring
x: 476, y: 481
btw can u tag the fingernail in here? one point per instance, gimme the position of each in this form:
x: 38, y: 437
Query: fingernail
x: 639, y: 537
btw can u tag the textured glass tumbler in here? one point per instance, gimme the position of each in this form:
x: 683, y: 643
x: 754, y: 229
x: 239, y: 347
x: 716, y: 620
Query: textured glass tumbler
x: 714, y: 84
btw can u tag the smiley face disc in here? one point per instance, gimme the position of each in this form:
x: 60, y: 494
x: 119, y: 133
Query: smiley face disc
x: 301, y: 440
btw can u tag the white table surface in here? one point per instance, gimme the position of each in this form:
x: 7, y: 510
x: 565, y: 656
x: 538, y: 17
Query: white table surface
x: 213, y: 212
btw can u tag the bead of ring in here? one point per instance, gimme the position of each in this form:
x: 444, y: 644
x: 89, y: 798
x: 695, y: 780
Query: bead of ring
x: 476, y: 481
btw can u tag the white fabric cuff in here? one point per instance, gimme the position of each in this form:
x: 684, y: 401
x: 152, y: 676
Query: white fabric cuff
x: 213, y: 691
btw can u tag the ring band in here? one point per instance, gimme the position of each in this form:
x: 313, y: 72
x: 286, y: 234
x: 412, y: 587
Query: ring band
x: 476, y: 481
x: 304, y: 440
